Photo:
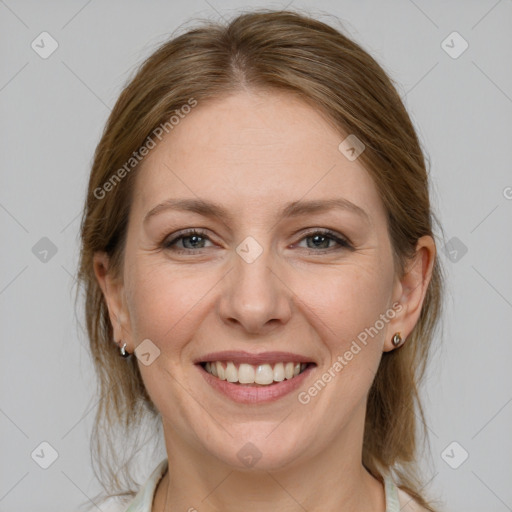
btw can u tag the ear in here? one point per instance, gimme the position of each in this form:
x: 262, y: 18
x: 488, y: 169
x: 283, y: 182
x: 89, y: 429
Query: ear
x: 113, y: 291
x: 410, y: 290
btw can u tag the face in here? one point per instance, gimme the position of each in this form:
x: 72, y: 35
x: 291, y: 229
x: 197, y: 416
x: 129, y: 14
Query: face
x: 274, y: 277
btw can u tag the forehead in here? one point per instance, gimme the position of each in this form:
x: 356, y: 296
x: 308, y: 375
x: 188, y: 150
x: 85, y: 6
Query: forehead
x: 243, y: 148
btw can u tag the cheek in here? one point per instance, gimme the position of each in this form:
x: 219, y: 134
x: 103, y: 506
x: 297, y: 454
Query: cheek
x: 346, y: 301
x: 347, y: 308
x: 162, y: 303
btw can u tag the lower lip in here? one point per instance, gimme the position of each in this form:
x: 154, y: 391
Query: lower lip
x: 255, y: 394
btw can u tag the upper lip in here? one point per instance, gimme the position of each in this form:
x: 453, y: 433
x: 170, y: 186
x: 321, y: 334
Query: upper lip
x: 248, y: 358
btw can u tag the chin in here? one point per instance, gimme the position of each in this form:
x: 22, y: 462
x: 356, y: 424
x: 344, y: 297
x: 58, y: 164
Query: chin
x: 258, y: 451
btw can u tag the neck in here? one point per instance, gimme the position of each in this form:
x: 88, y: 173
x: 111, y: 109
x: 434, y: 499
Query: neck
x: 332, y: 480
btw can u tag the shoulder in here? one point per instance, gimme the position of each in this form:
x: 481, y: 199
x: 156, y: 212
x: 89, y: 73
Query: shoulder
x: 398, y: 500
x: 110, y: 504
x: 144, y: 498
x: 408, y: 503
x: 115, y: 504
x: 141, y: 502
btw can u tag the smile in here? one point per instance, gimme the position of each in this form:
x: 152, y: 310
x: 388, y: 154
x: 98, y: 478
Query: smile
x: 248, y: 374
x: 249, y: 378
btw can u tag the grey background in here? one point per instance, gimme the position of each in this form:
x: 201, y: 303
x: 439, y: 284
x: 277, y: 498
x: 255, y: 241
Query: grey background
x: 52, y: 113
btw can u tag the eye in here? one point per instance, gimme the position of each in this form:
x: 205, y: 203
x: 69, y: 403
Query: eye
x: 193, y: 238
x: 322, y: 238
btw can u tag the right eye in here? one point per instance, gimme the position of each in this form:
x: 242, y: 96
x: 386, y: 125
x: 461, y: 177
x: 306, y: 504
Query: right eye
x: 191, y: 237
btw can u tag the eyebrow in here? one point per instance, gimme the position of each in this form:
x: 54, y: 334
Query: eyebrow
x: 293, y: 209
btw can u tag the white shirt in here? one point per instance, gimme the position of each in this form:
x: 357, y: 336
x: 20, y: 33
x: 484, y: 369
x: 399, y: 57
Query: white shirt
x: 396, y: 499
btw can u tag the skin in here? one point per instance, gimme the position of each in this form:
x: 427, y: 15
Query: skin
x: 253, y: 153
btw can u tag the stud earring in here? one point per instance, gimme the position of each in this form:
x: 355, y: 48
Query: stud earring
x: 397, y: 339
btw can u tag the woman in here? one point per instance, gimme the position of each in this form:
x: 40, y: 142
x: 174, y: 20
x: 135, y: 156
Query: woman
x: 257, y: 245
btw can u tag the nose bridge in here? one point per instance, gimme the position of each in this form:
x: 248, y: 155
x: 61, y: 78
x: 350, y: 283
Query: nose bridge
x: 254, y: 294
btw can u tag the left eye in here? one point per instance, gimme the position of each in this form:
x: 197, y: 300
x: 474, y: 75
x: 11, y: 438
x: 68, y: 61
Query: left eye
x: 321, y: 240
x: 193, y: 236
x: 195, y: 239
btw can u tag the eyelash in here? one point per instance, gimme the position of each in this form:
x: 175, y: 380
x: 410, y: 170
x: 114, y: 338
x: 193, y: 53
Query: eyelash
x: 342, y: 243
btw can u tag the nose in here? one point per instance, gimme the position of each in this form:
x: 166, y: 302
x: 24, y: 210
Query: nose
x: 254, y: 296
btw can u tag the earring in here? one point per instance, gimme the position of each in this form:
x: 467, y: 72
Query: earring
x: 123, y: 351
x: 397, y: 339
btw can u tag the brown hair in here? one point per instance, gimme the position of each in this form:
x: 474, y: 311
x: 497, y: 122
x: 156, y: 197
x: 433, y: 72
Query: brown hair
x: 266, y: 50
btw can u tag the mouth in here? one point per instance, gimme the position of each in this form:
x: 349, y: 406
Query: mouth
x: 254, y: 378
x: 246, y: 374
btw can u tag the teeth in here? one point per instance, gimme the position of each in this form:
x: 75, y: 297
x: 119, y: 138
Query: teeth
x: 231, y: 372
x: 263, y: 374
x: 279, y: 372
x: 246, y: 374
x: 288, y: 370
x: 221, y: 373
